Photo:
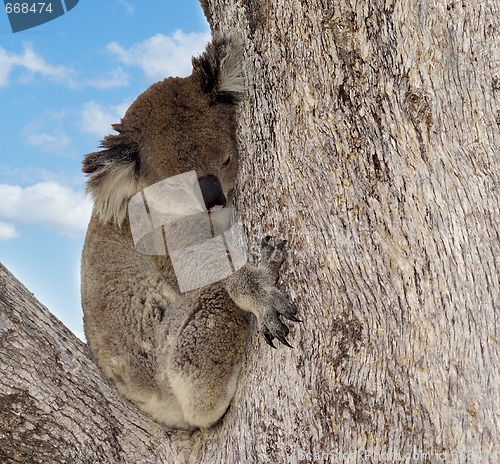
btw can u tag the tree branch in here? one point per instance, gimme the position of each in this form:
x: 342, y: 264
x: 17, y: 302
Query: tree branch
x: 55, y: 406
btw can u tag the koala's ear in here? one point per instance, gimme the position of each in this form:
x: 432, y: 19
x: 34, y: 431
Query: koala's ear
x: 113, y: 175
x: 219, y: 69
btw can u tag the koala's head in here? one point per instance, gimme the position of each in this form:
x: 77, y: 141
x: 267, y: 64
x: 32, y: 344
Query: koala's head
x: 176, y: 125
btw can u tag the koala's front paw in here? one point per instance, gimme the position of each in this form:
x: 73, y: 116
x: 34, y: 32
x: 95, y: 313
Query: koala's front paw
x: 272, y: 256
x: 279, y: 306
x: 271, y: 325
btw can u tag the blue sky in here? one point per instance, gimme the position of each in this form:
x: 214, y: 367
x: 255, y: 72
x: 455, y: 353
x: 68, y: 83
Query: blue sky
x: 61, y: 86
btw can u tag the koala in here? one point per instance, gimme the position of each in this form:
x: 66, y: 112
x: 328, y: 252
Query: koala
x: 177, y: 356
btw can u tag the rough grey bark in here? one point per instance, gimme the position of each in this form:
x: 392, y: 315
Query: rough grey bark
x: 55, y: 407
x: 370, y: 142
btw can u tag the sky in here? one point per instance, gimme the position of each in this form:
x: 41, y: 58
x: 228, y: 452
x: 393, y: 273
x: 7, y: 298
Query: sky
x: 62, y: 85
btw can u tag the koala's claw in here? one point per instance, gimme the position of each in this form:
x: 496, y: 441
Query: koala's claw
x: 268, y: 248
x: 281, y: 245
x: 273, y: 255
x: 289, y: 312
x: 272, y: 327
x: 268, y: 337
x: 284, y: 341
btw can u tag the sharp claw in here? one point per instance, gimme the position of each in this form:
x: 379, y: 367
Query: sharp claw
x: 284, y: 341
x: 292, y: 318
x: 289, y: 313
x: 269, y: 339
x: 265, y: 240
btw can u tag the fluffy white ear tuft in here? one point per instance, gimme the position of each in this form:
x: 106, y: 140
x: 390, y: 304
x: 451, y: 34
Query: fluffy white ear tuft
x: 113, y: 176
x: 220, y: 69
x: 232, y: 78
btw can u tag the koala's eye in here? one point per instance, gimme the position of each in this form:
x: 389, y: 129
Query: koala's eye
x: 226, y: 161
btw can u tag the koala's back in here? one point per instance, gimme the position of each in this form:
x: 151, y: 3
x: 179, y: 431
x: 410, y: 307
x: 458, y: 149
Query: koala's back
x: 157, y: 345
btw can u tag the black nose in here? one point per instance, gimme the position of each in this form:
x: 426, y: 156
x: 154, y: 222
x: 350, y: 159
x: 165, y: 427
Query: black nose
x: 211, y: 189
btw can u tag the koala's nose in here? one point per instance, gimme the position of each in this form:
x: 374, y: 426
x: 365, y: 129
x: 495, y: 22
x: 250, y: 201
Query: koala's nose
x: 211, y: 189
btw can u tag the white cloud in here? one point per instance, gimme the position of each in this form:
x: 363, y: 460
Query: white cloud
x: 161, y: 55
x: 97, y: 119
x: 115, y: 78
x: 47, y: 134
x: 31, y: 62
x: 7, y: 231
x: 47, y: 204
x: 56, y: 142
x: 127, y: 6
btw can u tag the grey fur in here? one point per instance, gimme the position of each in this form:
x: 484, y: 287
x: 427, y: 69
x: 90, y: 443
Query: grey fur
x: 176, y: 356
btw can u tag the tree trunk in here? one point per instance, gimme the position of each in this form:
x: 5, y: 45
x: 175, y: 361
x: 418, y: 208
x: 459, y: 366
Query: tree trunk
x: 369, y: 140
